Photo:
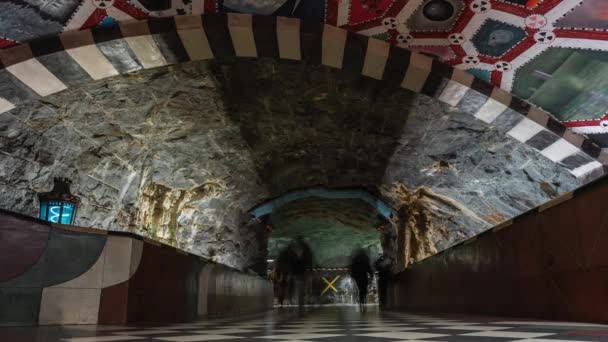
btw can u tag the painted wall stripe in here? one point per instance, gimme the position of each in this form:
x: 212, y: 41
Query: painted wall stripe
x: 490, y: 110
x: 119, y: 54
x: 453, y: 93
x: 65, y: 68
x: 542, y: 140
x: 354, y: 53
x: 146, y: 51
x: 5, y: 105
x: 334, y: 42
x: 216, y: 29
x: 538, y: 115
x: 241, y: 32
x: 311, y: 42
x: 288, y: 37
x: 417, y: 73
x: 375, y: 58
x: 573, y: 138
x: 525, y: 130
x: 164, y: 33
x: 37, y: 77
x: 265, y: 34
x: 81, y: 47
x: 20, y: 62
x: 584, y: 170
x: 501, y: 96
x: 507, y: 120
x: 193, y: 37
x: 559, y: 150
x: 463, y: 77
x: 396, y: 65
x: 137, y: 35
x: 13, y: 90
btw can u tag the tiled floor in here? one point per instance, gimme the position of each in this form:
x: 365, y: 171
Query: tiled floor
x: 330, y: 324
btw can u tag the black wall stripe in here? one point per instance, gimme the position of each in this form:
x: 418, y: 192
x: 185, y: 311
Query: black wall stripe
x: 396, y: 66
x: 437, y: 79
x: 576, y: 160
x: 507, y: 120
x: 14, y: 90
x: 542, y: 140
x: 311, y: 40
x: 482, y: 87
x: 47, y: 46
x: 161, y: 25
x: 106, y: 34
x: 519, y: 105
x: 164, y: 33
x: 216, y: 28
x: 556, y: 126
x: 354, y: 53
x: 170, y: 45
x: 265, y: 35
x: 472, y: 101
x: 591, y: 148
x: 65, y: 68
x: 120, y: 55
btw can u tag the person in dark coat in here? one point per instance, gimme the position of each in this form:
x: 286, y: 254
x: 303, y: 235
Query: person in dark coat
x: 384, y: 272
x: 361, y: 272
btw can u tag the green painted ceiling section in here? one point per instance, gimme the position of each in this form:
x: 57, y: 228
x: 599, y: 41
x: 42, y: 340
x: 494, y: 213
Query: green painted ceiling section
x: 333, y: 228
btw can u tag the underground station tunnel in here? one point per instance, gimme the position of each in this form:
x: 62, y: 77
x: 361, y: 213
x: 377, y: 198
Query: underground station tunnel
x: 353, y: 170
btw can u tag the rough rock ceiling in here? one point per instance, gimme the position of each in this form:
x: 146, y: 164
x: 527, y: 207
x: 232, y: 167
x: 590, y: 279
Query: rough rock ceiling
x: 181, y: 153
x: 549, y: 52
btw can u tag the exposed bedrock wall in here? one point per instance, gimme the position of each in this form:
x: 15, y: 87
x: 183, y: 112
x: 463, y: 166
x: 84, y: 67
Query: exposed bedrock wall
x: 550, y: 263
x: 69, y: 275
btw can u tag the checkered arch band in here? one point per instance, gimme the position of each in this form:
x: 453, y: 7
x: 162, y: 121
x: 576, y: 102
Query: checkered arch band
x: 46, y: 66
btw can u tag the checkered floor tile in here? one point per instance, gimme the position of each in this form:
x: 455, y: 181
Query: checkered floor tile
x: 327, y: 324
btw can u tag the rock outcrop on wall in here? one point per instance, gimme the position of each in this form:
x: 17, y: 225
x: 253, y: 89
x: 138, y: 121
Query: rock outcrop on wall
x: 181, y: 153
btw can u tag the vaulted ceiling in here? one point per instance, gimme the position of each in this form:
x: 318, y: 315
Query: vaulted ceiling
x: 183, y: 153
x: 552, y: 53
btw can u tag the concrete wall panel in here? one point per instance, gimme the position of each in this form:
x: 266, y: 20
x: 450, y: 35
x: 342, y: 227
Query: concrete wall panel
x: 203, y: 289
x: 19, y: 306
x: 69, y: 306
x: 550, y: 263
x: 61, y: 265
x: 22, y: 244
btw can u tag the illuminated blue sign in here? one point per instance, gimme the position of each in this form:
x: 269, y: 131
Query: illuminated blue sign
x: 58, y: 212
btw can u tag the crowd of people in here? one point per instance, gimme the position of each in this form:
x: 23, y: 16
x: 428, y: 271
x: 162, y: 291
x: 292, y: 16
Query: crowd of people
x: 292, y: 266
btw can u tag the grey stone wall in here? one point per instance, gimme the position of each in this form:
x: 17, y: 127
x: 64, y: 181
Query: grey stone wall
x: 180, y: 153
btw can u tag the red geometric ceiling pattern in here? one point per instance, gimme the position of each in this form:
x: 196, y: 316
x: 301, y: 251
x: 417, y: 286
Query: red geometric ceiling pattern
x: 453, y: 33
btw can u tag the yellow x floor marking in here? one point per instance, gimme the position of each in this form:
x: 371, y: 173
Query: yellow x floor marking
x: 330, y: 284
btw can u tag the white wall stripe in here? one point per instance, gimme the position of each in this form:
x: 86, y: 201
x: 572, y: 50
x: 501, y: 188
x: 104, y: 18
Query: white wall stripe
x: 525, y: 130
x: 587, y: 169
x: 580, y: 43
x: 453, y: 93
x: 37, y: 77
x: 146, y: 51
x: 430, y: 41
x: 490, y: 110
x: 407, y: 10
x: 5, y: 105
x: 590, y: 129
x: 559, y: 150
x: 343, y: 8
x: 93, y: 61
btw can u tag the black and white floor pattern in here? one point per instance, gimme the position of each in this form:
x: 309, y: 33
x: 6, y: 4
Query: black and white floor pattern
x: 328, y: 324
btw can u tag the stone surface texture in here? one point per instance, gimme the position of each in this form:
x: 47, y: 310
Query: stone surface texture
x: 180, y: 154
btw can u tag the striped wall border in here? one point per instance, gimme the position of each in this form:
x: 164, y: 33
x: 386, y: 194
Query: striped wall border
x: 46, y: 66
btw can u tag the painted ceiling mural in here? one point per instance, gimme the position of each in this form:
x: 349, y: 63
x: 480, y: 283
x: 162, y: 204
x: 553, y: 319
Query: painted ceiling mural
x: 553, y: 53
